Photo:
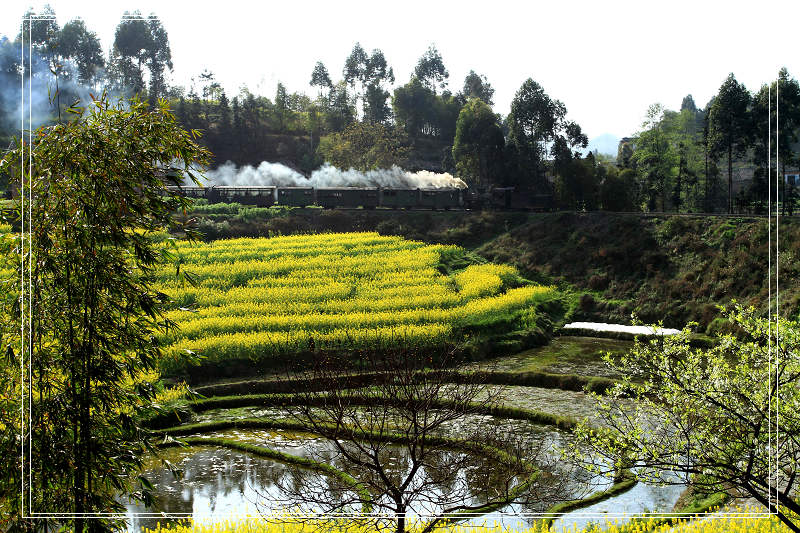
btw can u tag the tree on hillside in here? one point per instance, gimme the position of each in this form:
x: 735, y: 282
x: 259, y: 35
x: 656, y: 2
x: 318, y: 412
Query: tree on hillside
x: 478, y: 144
x: 98, y: 184
x: 421, y: 112
x: 355, y: 70
x: 397, y: 438
x: 41, y: 32
x: 355, y: 66
x: 430, y: 70
x: 577, y: 183
x: 625, y: 153
x: 42, y: 61
x: 729, y: 126
x: 223, y: 115
x: 687, y: 130
x: 9, y: 100
x: 321, y: 80
x: 281, y: 107
x: 413, y: 105
x: 687, y: 104
x: 478, y: 87
x: 535, y: 123
x: 711, y: 174
x: 132, y: 44
x: 655, y: 158
x: 576, y: 178
x: 376, y: 97
x: 138, y: 43
x: 787, y: 121
x: 783, y: 94
x: 618, y: 191
x: 707, y: 417
x: 76, y: 43
x: 685, y: 176
x: 364, y: 146
x: 370, y: 72
x: 446, y: 108
x: 159, y: 59
x: 376, y: 106
x: 531, y: 124
x: 342, y: 111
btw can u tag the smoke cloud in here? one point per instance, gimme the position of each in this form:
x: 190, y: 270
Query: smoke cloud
x: 39, y: 91
x: 275, y: 174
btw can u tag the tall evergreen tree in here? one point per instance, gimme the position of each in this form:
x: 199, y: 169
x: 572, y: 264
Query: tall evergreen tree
x: 321, y: 79
x: 476, y: 86
x: 159, y: 59
x: 655, y: 158
x: 478, y: 144
x: 730, y: 125
x: 132, y: 45
x: 535, y: 123
x: 430, y: 70
x: 78, y: 44
x: 787, y: 120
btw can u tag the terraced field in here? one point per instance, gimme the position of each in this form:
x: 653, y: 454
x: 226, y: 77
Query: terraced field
x: 259, y: 299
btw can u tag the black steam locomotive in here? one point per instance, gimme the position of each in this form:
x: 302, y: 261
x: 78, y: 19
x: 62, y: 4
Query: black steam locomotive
x: 372, y: 197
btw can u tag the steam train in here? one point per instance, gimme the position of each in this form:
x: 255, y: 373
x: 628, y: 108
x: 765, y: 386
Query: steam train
x: 372, y: 197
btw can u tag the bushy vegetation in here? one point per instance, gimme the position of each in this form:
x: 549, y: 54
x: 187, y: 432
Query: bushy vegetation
x: 77, y: 377
x: 713, y: 409
x: 671, y: 269
x: 258, y: 299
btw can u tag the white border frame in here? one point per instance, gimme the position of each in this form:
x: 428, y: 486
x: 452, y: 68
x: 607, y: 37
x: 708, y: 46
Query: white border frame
x: 28, y: 370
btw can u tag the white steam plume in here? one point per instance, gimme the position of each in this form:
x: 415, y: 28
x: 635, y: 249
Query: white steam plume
x: 275, y: 174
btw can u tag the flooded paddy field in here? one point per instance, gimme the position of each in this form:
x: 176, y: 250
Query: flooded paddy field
x: 219, y: 483
x: 563, y: 355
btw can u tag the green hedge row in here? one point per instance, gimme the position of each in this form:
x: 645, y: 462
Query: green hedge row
x: 571, y: 382
x: 277, y: 400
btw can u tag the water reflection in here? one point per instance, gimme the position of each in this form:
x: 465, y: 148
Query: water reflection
x: 641, y: 498
x: 220, y: 484
x: 216, y: 484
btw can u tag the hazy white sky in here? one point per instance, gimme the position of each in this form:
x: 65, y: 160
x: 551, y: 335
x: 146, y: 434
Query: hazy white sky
x: 607, y: 61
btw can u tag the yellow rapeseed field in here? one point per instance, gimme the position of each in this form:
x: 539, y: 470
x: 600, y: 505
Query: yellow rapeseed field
x: 714, y: 523
x: 256, y: 298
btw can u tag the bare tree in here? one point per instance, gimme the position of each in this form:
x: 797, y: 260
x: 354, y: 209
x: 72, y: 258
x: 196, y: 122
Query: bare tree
x: 419, y: 446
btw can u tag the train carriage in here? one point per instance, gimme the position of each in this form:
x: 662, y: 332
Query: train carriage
x: 260, y: 196
x: 399, y: 198
x: 439, y: 198
x: 372, y: 197
x: 366, y: 197
x: 191, y: 192
x: 296, y: 196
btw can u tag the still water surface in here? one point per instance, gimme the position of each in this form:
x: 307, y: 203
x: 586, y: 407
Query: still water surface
x: 220, y: 484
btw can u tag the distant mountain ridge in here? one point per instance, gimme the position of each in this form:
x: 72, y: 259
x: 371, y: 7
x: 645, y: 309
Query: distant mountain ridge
x: 607, y: 143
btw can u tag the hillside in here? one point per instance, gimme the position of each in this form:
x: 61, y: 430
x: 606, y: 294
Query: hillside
x: 673, y: 269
